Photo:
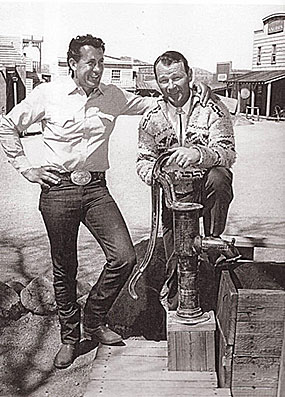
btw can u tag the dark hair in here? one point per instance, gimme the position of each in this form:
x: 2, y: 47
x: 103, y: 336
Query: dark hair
x: 169, y: 57
x: 80, y: 41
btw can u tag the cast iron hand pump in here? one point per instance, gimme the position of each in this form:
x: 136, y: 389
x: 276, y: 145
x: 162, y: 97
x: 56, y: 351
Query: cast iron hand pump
x: 188, y: 243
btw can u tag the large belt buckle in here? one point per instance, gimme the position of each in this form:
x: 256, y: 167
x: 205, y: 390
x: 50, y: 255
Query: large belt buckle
x: 80, y: 178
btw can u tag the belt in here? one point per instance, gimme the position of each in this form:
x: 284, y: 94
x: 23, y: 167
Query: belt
x: 81, y: 177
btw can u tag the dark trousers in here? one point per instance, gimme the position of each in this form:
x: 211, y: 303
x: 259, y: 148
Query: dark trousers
x: 63, y: 208
x: 215, y: 194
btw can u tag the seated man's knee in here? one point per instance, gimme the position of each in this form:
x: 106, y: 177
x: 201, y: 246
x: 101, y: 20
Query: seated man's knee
x: 219, y: 179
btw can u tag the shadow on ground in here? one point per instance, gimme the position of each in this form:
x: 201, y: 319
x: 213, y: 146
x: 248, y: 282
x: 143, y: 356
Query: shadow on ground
x: 28, y: 345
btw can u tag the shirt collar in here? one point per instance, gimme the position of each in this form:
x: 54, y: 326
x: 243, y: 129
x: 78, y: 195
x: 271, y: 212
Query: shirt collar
x: 72, y: 87
x: 172, y: 109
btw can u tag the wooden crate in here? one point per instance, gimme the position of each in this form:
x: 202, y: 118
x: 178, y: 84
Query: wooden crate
x: 250, y: 323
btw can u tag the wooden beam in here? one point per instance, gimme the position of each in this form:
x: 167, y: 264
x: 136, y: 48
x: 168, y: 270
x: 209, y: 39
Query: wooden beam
x: 252, y: 241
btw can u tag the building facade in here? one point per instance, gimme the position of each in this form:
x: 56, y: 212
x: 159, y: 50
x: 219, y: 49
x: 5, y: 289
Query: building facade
x: 20, y: 68
x: 12, y: 73
x: 262, y: 90
x: 269, y: 44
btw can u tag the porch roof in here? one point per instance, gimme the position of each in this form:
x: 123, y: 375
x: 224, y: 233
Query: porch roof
x: 9, y: 57
x: 147, y: 85
x: 263, y: 76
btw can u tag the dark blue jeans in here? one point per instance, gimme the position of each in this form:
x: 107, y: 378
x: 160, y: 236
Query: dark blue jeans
x: 63, y: 208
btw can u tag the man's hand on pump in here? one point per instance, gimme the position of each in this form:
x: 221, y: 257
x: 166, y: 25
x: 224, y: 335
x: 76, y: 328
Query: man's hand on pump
x: 183, y: 156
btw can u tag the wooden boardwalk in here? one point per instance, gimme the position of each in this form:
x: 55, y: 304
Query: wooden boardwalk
x: 139, y: 369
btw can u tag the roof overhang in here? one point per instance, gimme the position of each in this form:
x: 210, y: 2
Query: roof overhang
x: 273, y: 16
x: 259, y: 77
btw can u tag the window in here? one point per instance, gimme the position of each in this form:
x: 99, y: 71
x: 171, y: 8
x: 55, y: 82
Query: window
x: 116, y: 75
x: 273, y: 54
x: 259, y: 56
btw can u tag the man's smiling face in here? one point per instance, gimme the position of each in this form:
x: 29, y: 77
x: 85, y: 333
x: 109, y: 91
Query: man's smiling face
x: 89, y: 69
x: 174, y: 82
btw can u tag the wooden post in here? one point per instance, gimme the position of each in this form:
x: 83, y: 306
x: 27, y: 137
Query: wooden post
x: 268, y: 99
x: 281, y: 382
x: 191, y: 348
x: 252, y: 100
x: 239, y: 101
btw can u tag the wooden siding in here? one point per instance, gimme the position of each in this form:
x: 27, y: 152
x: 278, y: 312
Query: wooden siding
x: 265, y: 42
x: 251, y: 338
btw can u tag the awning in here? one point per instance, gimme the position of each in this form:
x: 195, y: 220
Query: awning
x: 265, y: 77
x: 217, y: 86
x: 147, y: 85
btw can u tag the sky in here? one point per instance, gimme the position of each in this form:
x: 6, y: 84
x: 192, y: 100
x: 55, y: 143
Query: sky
x: 205, y: 32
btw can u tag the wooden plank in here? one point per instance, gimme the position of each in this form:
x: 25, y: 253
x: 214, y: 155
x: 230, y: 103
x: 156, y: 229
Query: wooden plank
x: 253, y: 392
x: 260, y: 345
x: 270, y: 328
x: 255, y: 297
x: 136, y: 351
x: 260, y: 305
x: 210, y: 352
x: 255, y: 372
x: 182, y: 351
x: 148, y: 368
x: 262, y: 254
x: 225, y: 355
x: 281, y: 381
x: 258, y: 314
x: 172, y: 359
x: 227, y: 307
x: 146, y: 343
x: 198, y: 350
x: 256, y: 241
x: 125, y: 388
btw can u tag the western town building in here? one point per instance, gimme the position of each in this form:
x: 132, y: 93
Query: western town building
x: 262, y: 90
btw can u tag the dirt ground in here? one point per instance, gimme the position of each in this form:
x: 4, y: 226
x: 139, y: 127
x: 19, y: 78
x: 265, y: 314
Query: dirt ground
x: 28, y: 345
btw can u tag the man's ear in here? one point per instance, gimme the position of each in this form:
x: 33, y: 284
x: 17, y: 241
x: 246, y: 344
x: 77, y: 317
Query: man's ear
x: 190, y: 74
x: 73, y: 64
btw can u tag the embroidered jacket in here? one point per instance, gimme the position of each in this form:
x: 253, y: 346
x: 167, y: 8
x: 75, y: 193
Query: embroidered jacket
x: 209, y: 129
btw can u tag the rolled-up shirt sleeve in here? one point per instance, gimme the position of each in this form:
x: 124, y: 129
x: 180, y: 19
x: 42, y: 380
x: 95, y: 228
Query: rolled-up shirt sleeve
x: 29, y: 111
x: 131, y: 104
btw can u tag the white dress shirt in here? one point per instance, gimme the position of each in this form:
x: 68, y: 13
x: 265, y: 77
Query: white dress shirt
x: 76, y: 128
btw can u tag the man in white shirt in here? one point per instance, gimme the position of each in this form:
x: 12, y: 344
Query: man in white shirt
x: 78, y: 114
x: 201, y: 142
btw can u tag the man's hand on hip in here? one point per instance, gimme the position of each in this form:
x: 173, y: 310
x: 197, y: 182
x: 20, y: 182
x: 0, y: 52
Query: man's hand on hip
x: 42, y: 175
x: 184, y: 156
